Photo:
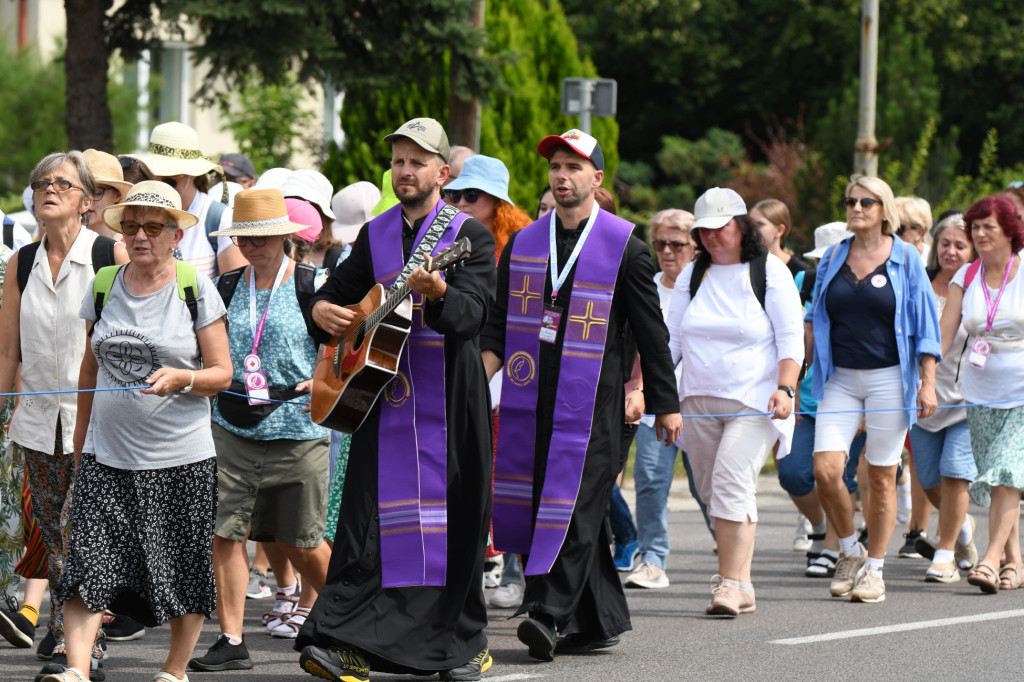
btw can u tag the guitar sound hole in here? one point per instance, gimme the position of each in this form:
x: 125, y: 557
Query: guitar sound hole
x: 358, y: 341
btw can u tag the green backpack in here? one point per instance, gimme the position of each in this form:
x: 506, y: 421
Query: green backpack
x: 188, y: 286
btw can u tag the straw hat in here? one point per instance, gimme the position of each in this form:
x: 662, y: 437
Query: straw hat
x: 151, y: 194
x: 174, y: 150
x: 106, y: 169
x: 259, y: 213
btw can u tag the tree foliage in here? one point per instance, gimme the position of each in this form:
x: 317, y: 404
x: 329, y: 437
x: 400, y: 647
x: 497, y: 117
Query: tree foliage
x: 268, y: 121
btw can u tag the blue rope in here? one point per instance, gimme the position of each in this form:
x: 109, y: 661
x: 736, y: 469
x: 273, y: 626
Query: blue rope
x: 293, y: 401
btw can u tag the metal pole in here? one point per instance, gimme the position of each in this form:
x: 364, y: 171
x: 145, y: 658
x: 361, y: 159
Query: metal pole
x: 586, y: 103
x: 865, y: 150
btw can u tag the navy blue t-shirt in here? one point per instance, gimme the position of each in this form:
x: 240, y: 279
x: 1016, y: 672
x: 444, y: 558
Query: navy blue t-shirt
x: 863, y: 315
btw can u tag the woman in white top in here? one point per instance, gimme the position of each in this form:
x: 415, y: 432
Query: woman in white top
x: 987, y: 297
x: 42, y: 332
x: 739, y: 358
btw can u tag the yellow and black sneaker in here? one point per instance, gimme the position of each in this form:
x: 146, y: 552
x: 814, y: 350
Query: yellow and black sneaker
x: 473, y: 670
x: 338, y: 664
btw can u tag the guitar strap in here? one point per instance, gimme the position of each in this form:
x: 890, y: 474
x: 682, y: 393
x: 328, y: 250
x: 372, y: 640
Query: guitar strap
x: 444, y: 217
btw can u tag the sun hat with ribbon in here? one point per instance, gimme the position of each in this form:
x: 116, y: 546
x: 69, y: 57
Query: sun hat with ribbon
x: 150, y: 194
x: 174, y: 150
x: 106, y: 169
x: 259, y: 213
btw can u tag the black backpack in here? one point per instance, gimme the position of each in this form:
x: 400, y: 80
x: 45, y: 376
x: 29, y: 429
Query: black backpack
x: 304, y: 277
x: 102, y: 256
x: 758, y: 276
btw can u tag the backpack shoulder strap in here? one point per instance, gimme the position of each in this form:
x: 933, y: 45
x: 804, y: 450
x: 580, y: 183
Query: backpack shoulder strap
x: 8, y: 232
x: 26, y: 257
x: 700, y: 269
x: 101, y: 287
x: 972, y: 272
x: 188, y: 287
x: 759, y: 277
x: 332, y: 256
x: 213, y: 215
x: 305, y: 286
x: 102, y: 253
x: 227, y: 283
x: 807, y: 286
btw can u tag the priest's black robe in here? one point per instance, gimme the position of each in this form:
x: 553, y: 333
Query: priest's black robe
x: 417, y: 629
x: 582, y: 592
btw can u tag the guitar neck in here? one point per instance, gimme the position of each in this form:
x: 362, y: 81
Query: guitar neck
x: 387, y: 307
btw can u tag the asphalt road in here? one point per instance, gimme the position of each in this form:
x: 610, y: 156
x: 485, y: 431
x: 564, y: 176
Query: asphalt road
x: 921, y: 632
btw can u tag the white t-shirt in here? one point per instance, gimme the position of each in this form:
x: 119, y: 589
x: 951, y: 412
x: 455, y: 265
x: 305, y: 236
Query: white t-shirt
x: 136, y: 336
x: 1002, y: 378
x: 195, y: 246
x: 731, y: 347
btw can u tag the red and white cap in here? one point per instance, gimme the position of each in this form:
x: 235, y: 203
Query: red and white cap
x: 580, y: 142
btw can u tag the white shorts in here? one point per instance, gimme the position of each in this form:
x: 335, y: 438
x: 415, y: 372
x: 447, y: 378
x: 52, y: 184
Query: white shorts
x: 726, y: 455
x: 849, y: 390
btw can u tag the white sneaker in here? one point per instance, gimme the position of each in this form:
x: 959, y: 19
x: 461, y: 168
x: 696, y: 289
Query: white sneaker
x: 801, y: 543
x: 647, y: 575
x: 507, y: 596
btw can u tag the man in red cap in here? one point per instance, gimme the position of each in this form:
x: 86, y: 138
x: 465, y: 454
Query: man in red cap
x: 575, y: 301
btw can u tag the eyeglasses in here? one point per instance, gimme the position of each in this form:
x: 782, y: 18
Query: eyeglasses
x: 866, y: 203
x: 130, y: 228
x: 100, y: 191
x: 908, y: 228
x: 455, y: 195
x: 254, y: 241
x: 58, y: 185
x: 660, y: 244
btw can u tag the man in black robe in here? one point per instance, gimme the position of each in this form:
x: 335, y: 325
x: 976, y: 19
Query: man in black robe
x: 581, y: 597
x: 358, y: 624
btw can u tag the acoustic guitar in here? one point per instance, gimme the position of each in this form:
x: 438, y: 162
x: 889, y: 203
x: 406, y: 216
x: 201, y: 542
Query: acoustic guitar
x: 353, y: 369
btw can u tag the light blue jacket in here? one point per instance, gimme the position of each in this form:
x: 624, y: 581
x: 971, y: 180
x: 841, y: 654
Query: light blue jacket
x: 916, y: 321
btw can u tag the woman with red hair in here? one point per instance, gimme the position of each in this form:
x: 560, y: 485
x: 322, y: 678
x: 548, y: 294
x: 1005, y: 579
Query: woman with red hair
x: 481, y: 190
x: 987, y: 297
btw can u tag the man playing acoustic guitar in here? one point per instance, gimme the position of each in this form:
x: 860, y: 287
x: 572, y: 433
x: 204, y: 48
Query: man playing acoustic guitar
x: 403, y: 592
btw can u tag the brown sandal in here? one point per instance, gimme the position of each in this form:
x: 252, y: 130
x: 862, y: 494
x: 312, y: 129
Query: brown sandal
x: 984, y: 576
x: 1010, y: 576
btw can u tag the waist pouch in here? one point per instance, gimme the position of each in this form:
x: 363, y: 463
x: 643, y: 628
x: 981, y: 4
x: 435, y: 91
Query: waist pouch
x: 237, y: 411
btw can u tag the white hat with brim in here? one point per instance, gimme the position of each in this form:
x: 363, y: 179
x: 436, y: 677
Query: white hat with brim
x: 826, y: 236
x: 353, y: 206
x: 716, y: 207
x: 312, y: 186
x: 259, y: 212
x: 174, y: 150
x: 150, y: 194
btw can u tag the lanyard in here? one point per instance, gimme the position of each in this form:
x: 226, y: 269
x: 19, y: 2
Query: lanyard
x: 257, y: 329
x: 992, y: 307
x: 557, y: 280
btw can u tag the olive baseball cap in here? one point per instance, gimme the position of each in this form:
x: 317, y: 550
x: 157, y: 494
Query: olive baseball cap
x: 427, y: 133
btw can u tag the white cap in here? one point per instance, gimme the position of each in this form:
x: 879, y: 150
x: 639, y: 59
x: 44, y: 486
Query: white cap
x: 312, y: 186
x: 716, y: 207
x: 827, y: 235
x: 273, y: 178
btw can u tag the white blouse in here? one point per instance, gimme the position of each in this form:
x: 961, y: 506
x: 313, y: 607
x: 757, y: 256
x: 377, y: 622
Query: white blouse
x: 728, y: 345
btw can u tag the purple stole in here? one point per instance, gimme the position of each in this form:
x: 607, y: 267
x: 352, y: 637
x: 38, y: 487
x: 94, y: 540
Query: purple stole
x: 576, y: 394
x: 412, y: 467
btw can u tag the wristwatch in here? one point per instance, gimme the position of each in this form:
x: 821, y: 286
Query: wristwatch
x: 788, y: 390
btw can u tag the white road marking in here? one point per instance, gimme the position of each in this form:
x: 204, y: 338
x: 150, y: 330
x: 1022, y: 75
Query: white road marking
x: 902, y: 627
x: 511, y: 678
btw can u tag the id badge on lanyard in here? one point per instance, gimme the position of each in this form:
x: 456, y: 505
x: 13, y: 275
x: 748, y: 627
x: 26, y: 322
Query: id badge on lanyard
x: 981, y: 347
x: 256, y: 385
x: 551, y: 319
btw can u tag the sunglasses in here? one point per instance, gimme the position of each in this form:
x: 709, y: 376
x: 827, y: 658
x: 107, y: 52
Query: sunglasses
x: 455, y: 195
x: 254, y: 241
x: 130, y: 228
x: 58, y: 185
x: 660, y: 244
x: 850, y: 202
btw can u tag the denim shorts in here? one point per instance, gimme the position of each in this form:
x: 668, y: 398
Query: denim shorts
x: 945, y: 453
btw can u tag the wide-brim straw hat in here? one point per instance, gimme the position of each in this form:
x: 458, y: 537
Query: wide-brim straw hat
x: 174, y: 150
x: 150, y: 194
x: 106, y: 169
x: 259, y: 213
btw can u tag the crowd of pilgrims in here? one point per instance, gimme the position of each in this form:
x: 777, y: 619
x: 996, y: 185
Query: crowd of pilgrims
x: 190, y: 300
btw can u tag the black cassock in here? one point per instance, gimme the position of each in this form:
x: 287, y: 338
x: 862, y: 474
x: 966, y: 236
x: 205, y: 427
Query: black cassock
x: 582, y: 592
x: 417, y: 629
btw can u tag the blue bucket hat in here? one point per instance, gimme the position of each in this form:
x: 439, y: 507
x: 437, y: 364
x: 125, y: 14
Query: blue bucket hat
x: 485, y: 173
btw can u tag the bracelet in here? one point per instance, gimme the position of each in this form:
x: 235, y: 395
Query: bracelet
x: 191, y: 382
x: 637, y: 388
